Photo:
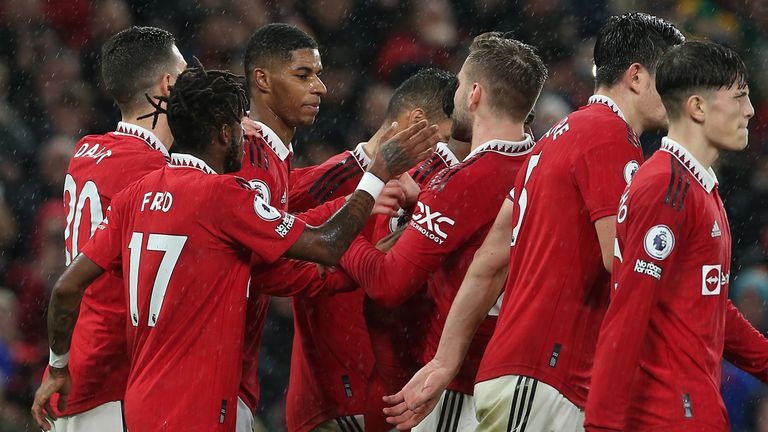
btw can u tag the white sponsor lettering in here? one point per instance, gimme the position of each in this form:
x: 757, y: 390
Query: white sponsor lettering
x: 648, y: 268
x: 429, y: 222
x: 285, y: 226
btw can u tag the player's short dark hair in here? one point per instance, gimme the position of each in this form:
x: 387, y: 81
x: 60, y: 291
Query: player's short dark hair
x: 510, y: 70
x: 200, y: 103
x: 633, y: 37
x: 427, y: 89
x: 695, y: 67
x: 272, y: 44
x: 132, y: 61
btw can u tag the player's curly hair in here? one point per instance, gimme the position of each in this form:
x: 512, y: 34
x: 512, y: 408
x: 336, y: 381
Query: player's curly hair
x: 199, y: 104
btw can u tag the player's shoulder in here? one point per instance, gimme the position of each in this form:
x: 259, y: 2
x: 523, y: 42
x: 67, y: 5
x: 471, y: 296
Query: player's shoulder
x: 473, y: 175
x: 662, y: 180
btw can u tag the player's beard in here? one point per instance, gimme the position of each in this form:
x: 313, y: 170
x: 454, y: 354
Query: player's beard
x: 233, y: 160
x: 462, y: 126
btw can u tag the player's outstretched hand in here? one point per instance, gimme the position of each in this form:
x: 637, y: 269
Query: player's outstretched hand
x: 418, y: 398
x: 57, y: 381
x: 399, y: 152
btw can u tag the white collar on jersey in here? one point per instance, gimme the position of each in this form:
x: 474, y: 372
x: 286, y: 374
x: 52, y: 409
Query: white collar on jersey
x: 605, y: 100
x: 124, y: 128
x: 183, y: 160
x: 705, y: 177
x: 274, y: 141
x: 500, y: 146
x: 362, y: 159
x: 446, y: 154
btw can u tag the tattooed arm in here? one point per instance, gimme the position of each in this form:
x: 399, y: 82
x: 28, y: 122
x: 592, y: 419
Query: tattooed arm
x: 62, y: 315
x: 328, y: 242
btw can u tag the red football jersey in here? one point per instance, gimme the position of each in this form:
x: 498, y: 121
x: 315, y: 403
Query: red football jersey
x: 452, y: 217
x: 331, y: 357
x: 397, y: 334
x: 557, y: 290
x: 101, y: 166
x: 657, y: 364
x: 266, y: 166
x: 188, y: 253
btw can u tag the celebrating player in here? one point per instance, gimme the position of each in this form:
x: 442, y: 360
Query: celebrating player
x: 559, y: 222
x: 670, y: 322
x: 498, y: 85
x: 101, y: 166
x: 330, y: 333
x: 281, y: 66
x: 188, y: 241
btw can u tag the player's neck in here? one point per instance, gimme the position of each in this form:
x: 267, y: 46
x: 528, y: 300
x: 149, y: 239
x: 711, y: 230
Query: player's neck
x: 161, y: 129
x: 495, y: 128
x: 460, y: 149
x: 622, y: 100
x: 691, y: 136
x: 262, y: 113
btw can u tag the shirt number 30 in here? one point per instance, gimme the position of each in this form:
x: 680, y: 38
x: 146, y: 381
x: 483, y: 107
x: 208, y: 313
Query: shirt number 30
x: 171, y: 246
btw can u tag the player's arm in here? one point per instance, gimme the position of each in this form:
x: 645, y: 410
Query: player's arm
x: 326, y: 244
x: 745, y: 346
x: 601, y: 174
x: 479, y: 290
x: 63, y: 310
x: 606, y: 235
x: 287, y: 278
x: 636, y: 286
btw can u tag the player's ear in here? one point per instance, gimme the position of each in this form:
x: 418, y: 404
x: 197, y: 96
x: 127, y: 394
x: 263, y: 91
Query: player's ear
x: 416, y: 115
x: 165, y: 84
x: 476, y: 94
x: 695, y: 107
x: 225, y: 135
x: 261, y: 80
x: 635, y: 78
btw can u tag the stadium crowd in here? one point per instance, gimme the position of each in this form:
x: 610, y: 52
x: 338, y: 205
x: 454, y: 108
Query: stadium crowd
x: 51, y: 96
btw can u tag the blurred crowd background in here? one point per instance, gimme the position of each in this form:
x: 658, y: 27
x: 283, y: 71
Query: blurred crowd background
x: 50, y: 96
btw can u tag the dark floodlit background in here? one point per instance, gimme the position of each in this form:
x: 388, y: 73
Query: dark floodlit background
x: 50, y: 96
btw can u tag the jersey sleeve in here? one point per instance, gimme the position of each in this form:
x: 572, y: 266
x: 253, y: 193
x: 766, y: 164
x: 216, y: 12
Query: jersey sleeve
x: 745, y: 346
x: 602, y: 173
x: 434, y: 232
x: 105, y: 246
x: 649, y: 234
x: 318, y: 215
x: 287, y: 278
x: 246, y: 219
x: 335, y: 178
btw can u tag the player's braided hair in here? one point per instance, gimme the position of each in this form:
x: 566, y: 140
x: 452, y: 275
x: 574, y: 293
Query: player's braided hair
x: 199, y: 104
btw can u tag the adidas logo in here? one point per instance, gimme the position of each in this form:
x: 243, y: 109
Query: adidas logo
x: 715, y: 230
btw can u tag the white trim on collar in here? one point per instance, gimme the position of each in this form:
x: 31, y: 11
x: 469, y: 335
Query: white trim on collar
x: 705, y: 177
x: 147, y: 136
x: 446, y: 154
x: 501, y: 146
x: 362, y: 158
x: 605, y: 100
x: 274, y: 142
x: 183, y: 160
